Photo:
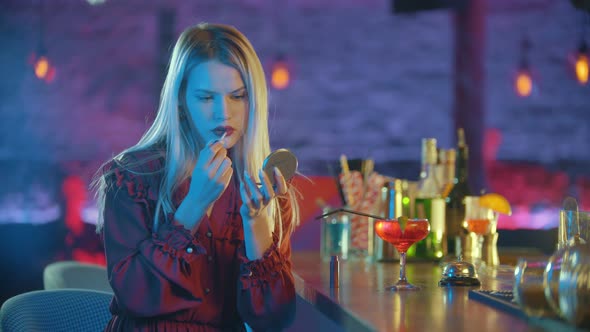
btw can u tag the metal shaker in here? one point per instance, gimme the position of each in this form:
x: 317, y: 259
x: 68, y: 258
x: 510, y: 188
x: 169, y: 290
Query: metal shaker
x: 390, y: 206
x: 490, y: 250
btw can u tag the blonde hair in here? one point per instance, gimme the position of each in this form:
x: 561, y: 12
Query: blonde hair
x: 195, y: 45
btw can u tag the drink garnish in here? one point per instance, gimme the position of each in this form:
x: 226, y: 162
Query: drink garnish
x: 403, y: 220
x: 496, y: 202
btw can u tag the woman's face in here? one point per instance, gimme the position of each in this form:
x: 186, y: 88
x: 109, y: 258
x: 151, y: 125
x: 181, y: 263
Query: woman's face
x: 217, y: 101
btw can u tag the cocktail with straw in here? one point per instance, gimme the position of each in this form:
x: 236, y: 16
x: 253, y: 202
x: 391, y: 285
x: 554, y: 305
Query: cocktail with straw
x: 402, y: 233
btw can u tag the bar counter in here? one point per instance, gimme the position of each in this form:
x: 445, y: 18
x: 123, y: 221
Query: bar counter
x: 362, y: 303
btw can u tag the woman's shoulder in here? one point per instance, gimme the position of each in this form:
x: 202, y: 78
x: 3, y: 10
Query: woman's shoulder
x: 143, y: 167
x: 149, y: 160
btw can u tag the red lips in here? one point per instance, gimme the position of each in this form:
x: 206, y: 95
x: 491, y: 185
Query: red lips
x: 219, y: 131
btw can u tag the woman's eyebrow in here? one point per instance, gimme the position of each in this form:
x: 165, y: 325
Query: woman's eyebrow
x: 205, y: 90
x: 215, y: 92
x: 238, y: 90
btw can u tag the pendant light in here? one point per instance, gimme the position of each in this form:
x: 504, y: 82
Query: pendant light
x: 581, y: 65
x: 42, y: 66
x: 281, y: 68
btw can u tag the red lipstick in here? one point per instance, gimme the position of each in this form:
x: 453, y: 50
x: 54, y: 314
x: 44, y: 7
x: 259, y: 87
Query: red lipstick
x: 223, y: 130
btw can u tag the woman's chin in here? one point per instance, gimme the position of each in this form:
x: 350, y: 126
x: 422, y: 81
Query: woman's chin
x: 228, y: 145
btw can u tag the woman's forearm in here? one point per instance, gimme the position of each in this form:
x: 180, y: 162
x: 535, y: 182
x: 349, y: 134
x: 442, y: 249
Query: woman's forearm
x: 190, y: 212
x: 257, y: 236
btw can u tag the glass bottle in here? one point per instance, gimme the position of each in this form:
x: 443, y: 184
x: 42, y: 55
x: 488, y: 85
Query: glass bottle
x: 429, y: 204
x: 455, y: 209
x: 448, y: 172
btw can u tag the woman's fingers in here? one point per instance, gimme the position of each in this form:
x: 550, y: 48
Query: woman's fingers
x: 254, y: 193
x: 218, y: 151
x: 213, y: 151
x: 223, y: 170
x: 247, y: 201
x: 280, y: 181
x: 245, y: 196
x: 267, y: 190
x: 256, y: 197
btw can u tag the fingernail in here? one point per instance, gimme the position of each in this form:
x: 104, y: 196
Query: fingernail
x: 277, y: 171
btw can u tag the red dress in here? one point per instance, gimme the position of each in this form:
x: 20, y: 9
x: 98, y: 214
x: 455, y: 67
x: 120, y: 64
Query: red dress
x: 172, y: 280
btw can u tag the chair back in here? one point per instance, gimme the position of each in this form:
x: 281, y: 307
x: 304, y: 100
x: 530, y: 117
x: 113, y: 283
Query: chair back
x: 73, y: 274
x: 56, y: 310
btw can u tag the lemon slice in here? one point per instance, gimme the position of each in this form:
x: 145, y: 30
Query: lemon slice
x: 403, y: 221
x: 495, y: 202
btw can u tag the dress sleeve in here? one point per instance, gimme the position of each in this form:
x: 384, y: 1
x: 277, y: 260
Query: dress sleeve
x: 150, y: 273
x: 266, y: 289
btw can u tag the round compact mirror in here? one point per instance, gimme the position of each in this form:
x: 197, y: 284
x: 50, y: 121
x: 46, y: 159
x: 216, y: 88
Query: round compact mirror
x: 282, y: 159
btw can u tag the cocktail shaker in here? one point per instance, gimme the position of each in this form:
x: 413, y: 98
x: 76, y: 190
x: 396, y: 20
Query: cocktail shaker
x: 489, y: 249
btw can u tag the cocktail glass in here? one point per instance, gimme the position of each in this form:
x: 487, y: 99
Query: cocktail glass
x: 478, y: 220
x: 402, y: 233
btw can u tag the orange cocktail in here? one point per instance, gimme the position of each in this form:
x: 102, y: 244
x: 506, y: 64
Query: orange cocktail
x: 479, y: 226
x: 402, y: 233
x: 478, y: 221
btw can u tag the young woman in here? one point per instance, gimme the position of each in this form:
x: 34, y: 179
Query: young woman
x: 196, y: 237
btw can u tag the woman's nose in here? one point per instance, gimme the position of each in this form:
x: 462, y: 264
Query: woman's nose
x: 222, y: 109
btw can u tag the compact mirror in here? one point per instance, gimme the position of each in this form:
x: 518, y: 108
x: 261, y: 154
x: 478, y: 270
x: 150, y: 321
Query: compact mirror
x: 282, y: 159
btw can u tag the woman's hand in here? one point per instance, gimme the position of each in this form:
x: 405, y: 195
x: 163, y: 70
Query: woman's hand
x: 256, y: 223
x: 211, y: 174
x: 255, y: 198
x: 210, y: 177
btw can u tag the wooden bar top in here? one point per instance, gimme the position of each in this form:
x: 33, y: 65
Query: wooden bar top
x: 362, y: 303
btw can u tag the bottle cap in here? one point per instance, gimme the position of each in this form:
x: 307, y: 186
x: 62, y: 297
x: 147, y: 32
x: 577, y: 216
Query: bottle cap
x: 460, y: 137
x: 429, y: 151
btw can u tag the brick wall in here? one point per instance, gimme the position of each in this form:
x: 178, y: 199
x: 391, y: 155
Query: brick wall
x: 367, y: 83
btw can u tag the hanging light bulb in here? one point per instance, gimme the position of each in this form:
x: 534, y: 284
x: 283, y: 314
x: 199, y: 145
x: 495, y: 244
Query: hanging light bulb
x: 42, y: 67
x: 523, y: 82
x: 579, y: 61
x: 281, y: 68
x: 582, y: 63
x: 280, y: 75
x: 582, y: 66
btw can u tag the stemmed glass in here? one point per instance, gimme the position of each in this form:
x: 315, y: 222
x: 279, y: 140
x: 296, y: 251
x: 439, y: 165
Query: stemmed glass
x: 402, y: 233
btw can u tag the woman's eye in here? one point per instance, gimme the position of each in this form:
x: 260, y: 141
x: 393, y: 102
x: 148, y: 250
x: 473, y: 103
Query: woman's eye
x: 238, y: 97
x: 205, y: 98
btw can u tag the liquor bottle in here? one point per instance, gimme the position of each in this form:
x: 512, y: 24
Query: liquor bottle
x: 439, y: 168
x: 455, y: 209
x: 430, y: 205
x: 448, y: 172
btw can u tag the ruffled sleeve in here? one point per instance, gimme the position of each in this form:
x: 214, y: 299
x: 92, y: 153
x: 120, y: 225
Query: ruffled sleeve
x: 150, y: 273
x: 266, y: 289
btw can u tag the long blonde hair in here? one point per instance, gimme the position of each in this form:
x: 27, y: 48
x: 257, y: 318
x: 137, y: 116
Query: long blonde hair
x: 195, y: 45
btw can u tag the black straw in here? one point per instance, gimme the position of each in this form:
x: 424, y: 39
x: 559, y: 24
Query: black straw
x: 350, y: 211
x: 338, y: 185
